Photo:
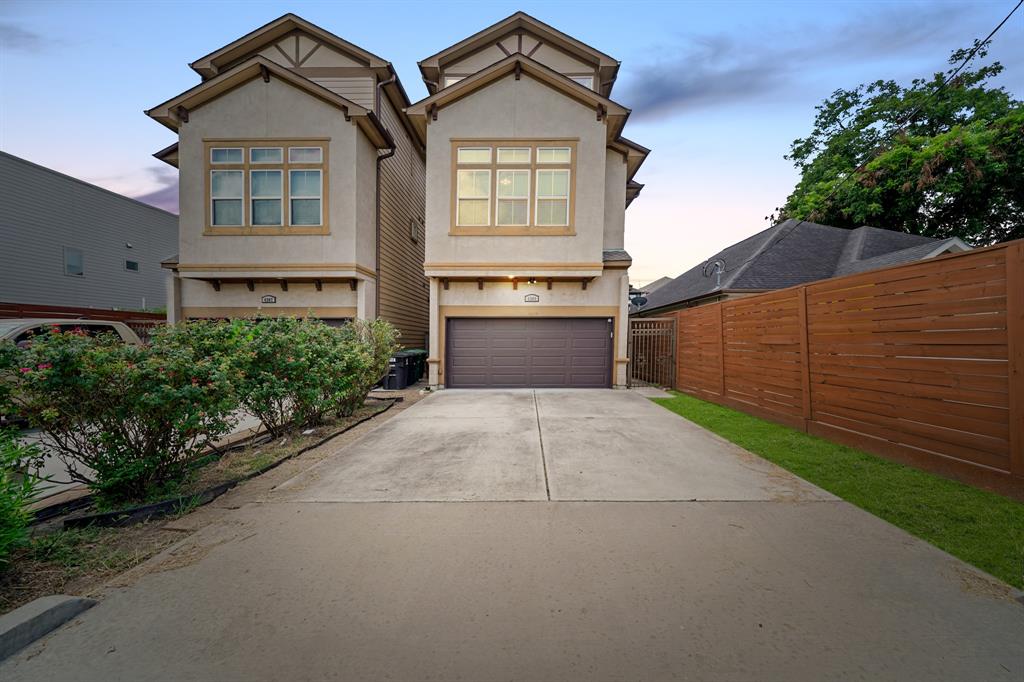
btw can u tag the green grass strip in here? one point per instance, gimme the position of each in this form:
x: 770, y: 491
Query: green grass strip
x: 982, y: 528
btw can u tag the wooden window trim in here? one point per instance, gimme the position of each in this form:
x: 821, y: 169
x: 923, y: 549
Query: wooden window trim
x: 531, y: 229
x: 247, y: 228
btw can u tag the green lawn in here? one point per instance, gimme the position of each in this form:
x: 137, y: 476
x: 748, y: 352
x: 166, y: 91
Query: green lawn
x: 982, y: 528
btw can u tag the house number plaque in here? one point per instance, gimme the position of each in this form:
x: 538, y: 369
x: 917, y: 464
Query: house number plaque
x: 269, y: 298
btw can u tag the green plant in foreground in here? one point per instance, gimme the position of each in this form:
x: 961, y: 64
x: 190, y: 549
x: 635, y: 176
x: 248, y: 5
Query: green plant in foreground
x: 18, y: 486
x: 977, y: 526
x: 128, y: 421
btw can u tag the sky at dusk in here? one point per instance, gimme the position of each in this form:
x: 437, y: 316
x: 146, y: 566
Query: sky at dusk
x: 718, y: 89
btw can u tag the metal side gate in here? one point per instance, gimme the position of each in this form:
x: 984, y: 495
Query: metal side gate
x: 652, y: 351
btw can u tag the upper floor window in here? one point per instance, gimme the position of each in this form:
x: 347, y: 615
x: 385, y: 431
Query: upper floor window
x: 74, y: 262
x: 267, y: 187
x: 513, y: 187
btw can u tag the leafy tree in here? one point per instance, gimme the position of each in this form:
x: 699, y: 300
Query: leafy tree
x: 925, y: 159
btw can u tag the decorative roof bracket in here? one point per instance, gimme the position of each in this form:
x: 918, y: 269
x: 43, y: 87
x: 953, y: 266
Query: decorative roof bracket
x: 601, y: 112
x: 265, y: 73
x: 182, y: 114
x: 519, y: 69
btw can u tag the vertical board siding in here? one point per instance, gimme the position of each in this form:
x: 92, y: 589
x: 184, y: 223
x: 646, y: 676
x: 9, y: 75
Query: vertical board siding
x: 403, y: 288
x: 922, y: 363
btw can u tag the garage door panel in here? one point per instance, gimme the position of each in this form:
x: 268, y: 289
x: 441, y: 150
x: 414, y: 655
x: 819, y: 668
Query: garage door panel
x: 528, y: 352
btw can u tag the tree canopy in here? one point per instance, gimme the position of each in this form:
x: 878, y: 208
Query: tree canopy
x: 954, y: 169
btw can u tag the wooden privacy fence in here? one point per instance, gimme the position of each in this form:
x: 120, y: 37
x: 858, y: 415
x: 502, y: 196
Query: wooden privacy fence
x: 921, y: 363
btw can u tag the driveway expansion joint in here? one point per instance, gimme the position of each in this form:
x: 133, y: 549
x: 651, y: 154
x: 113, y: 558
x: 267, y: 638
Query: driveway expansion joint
x: 540, y: 437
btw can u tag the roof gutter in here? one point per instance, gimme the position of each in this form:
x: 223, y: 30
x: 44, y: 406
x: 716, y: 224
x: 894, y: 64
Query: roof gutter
x: 380, y: 157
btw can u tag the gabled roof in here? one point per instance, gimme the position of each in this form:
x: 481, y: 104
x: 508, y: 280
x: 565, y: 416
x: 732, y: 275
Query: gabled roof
x: 219, y: 60
x: 656, y: 284
x: 607, y: 66
x: 168, y: 155
x: 174, y: 111
x: 795, y: 252
x: 519, y: 64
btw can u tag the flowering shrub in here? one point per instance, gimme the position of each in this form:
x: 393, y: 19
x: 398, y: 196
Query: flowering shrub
x: 296, y: 372
x: 127, y: 420
x: 130, y: 421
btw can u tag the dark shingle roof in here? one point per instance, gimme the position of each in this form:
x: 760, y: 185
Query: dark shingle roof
x: 615, y: 255
x: 792, y: 253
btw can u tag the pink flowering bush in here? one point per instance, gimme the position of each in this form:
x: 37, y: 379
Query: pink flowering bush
x: 129, y: 421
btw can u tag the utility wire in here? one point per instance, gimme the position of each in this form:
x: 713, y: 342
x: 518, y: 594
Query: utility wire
x: 906, y: 121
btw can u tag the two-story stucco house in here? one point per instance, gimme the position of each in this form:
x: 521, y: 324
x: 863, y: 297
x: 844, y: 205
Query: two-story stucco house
x: 301, y: 184
x: 527, y: 182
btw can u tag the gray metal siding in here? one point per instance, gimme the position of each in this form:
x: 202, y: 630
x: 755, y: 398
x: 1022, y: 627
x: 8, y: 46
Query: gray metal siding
x: 42, y: 212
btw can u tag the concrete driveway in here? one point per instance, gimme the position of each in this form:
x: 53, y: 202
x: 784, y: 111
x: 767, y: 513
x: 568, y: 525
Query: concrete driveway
x: 543, y: 535
x: 471, y: 445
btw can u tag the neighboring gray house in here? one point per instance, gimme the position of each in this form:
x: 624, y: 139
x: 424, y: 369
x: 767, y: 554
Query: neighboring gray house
x: 788, y: 254
x: 68, y: 243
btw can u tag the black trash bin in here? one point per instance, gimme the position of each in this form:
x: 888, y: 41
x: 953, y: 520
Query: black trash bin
x: 398, y: 373
x: 418, y: 364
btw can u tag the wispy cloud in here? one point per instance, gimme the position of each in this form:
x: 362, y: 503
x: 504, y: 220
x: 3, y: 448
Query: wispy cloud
x: 14, y: 37
x: 716, y: 70
x: 165, y: 196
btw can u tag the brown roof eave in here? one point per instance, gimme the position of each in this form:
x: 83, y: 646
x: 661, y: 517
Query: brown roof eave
x: 211, y: 64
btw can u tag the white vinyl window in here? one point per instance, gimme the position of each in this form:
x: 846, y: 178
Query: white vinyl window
x: 305, y: 155
x: 259, y: 155
x: 226, y: 197
x: 513, y: 155
x: 226, y: 155
x: 265, y: 189
x: 305, y: 188
x: 553, y: 154
x: 452, y: 80
x: 513, y: 190
x: 553, y: 197
x: 585, y: 81
x: 474, y: 197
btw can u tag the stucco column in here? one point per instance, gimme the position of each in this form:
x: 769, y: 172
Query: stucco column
x: 622, y: 342
x: 434, y: 358
x: 366, y: 299
x: 174, y: 298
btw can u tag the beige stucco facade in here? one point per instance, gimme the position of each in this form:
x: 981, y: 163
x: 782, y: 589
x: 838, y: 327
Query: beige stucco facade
x: 533, y: 273
x: 277, y: 111
x: 290, y: 83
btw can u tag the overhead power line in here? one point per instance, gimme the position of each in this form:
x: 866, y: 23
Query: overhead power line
x: 906, y: 122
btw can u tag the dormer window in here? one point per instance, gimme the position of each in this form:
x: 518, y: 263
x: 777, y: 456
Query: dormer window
x: 585, y: 81
x: 507, y: 187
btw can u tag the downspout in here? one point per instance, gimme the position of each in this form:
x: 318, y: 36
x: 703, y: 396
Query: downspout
x: 386, y: 155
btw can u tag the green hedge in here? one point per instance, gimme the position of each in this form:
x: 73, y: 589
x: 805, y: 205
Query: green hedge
x: 139, y: 417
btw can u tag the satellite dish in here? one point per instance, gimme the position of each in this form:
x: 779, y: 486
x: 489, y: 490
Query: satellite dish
x: 640, y: 301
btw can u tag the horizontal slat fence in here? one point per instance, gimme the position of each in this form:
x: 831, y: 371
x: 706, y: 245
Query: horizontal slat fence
x: 921, y: 363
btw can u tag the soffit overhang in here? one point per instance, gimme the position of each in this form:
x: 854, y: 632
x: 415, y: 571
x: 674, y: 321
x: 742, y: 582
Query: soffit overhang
x: 174, y: 112
x: 224, y: 58
x: 607, y: 66
x: 612, y: 113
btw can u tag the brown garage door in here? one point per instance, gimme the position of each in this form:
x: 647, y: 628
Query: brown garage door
x: 564, y: 352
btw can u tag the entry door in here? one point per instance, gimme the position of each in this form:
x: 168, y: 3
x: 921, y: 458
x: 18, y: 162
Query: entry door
x: 532, y: 352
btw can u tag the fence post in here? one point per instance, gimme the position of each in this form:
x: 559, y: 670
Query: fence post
x: 721, y: 348
x: 805, y: 356
x: 1015, y: 352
